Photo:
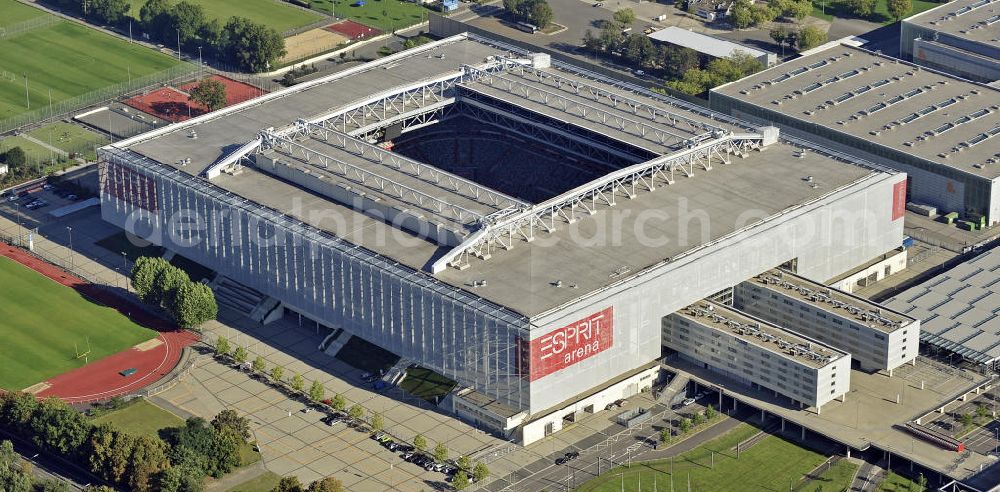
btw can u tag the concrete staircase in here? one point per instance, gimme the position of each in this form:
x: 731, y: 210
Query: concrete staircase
x: 335, y: 342
x: 397, y: 373
x: 236, y: 296
x: 675, y: 390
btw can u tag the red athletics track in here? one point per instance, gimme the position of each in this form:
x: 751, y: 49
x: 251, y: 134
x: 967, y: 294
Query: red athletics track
x: 353, y: 30
x: 100, y: 380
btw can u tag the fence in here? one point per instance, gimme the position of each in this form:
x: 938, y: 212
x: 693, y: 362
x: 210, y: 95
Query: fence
x: 29, y: 25
x: 60, y: 109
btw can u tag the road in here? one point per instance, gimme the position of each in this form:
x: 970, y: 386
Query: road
x: 626, y: 446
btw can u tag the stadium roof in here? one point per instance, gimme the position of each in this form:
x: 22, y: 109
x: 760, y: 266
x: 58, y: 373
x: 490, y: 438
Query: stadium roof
x: 557, y: 267
x: 937, y: 117
x: 974, y: 20
x: 958, y: 309
x: 703, y: 43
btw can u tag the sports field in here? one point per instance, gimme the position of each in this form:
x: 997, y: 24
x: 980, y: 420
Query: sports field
x: 387, y: 15
x: 70, y: 138
x: 770, y: 464
x: 274, y: 13
x: 41, y: 321
x: 15, y: 12
x: 66, y: 60
x: 828, y: 9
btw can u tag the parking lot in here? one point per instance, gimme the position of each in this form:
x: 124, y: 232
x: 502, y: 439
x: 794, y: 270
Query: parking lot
x: 985, y: 438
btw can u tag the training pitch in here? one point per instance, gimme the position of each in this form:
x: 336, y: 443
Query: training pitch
x: 277, y: 14
x: 41, y: 320
x: 66, y: 60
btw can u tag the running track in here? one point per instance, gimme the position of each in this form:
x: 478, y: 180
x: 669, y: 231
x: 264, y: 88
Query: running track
x: 100, y: 380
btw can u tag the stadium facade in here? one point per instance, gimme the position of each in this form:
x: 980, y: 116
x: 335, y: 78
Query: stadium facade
x: 541, y: 310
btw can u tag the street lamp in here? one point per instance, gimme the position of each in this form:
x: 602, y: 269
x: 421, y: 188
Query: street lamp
x: 69, y: 230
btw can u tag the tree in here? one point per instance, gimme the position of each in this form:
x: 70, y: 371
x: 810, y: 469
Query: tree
x: 186, y: 20
x: 420, y: 443
x: 624, y: 17
x: 51, y: 485
x: 966, y: 420
x: 356, y: 413
x: 610, y: 36
x: 110, y: 11
x: 982, y: 412
x: 541, y: 14
x: 328, y: 484
x: 709, y: 412
x: 149, y: 458
x: 259, y: 366
x: 289, y: 484
x: 697, y: 419
x: 254, y: 47
x: 665, y: 435
x: 480, y: 472
x: 862, y: 8
x: 921, y: 482
x: 222, y: 346
x: 168, y: 279
x: 377, y: 422
x: 679, y: 60
x: 154, y: 17
x: 464, y: 462
x: 240, y: 355
x: 761, y: 13
x: 338, y: 403
x: 317, y: 391
x: 209, y: 93
x: 277, y: 372
x: 145, y: 270
x: 229, y: 419
x: 779, y: 35
x: 592, y: 43
x: 639, y: 50
x: 298, y: 382
x: 14, y: 475
x: 899, y: 8
x: 461, y: 480
x: 16, y: 409
x: 741, y: 14
x: 58, y: 427
x: 685, y: 425
x: 212, y: 38
x: 440, y: 452
x: 811, y: 37
x: 193, y: 304
x: 512, y: 6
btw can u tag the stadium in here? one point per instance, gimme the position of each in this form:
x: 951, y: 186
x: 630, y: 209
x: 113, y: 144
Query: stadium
x: 517, y: 224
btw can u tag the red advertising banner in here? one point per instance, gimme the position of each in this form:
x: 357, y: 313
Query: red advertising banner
x: 898, y: 199
x: 572, y: 343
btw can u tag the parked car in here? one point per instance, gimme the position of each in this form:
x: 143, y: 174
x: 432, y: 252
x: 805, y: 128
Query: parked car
x: 687, y: 401
x: 566, y: 458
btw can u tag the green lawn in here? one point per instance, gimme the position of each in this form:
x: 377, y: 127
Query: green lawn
x: 14, y: 12
x: 838, y: 8
x: 835, y: 479
x: 42, y: 320
x: 772, y: 464
x: 33, y: 151
x: 141, y: 418
x: 383, y: 14
x: 70, y: 138
x: 427, y: 384
x: 274, y: 13
x: 263, y: 483
x: 897, y: 483
x: 65, y: 60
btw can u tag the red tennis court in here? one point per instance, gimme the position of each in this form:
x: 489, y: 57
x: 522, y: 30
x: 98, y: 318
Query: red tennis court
x: 353, y: 30
x: 173, y: 104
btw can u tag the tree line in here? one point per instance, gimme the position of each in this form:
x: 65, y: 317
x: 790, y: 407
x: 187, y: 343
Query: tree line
x: 177, y: 462
x: 239, y: 41
x: 161, y: 284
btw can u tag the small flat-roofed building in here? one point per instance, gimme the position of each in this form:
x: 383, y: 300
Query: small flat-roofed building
x: 943, y: 131
x: 959, y: 310
x: 759, y: 353
x: 877, y: 338
x: 710, y: 45
x: 960, y: 37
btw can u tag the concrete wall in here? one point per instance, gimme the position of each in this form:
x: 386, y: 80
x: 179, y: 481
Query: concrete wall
x: 963, y: 62
x: 811, y: 233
